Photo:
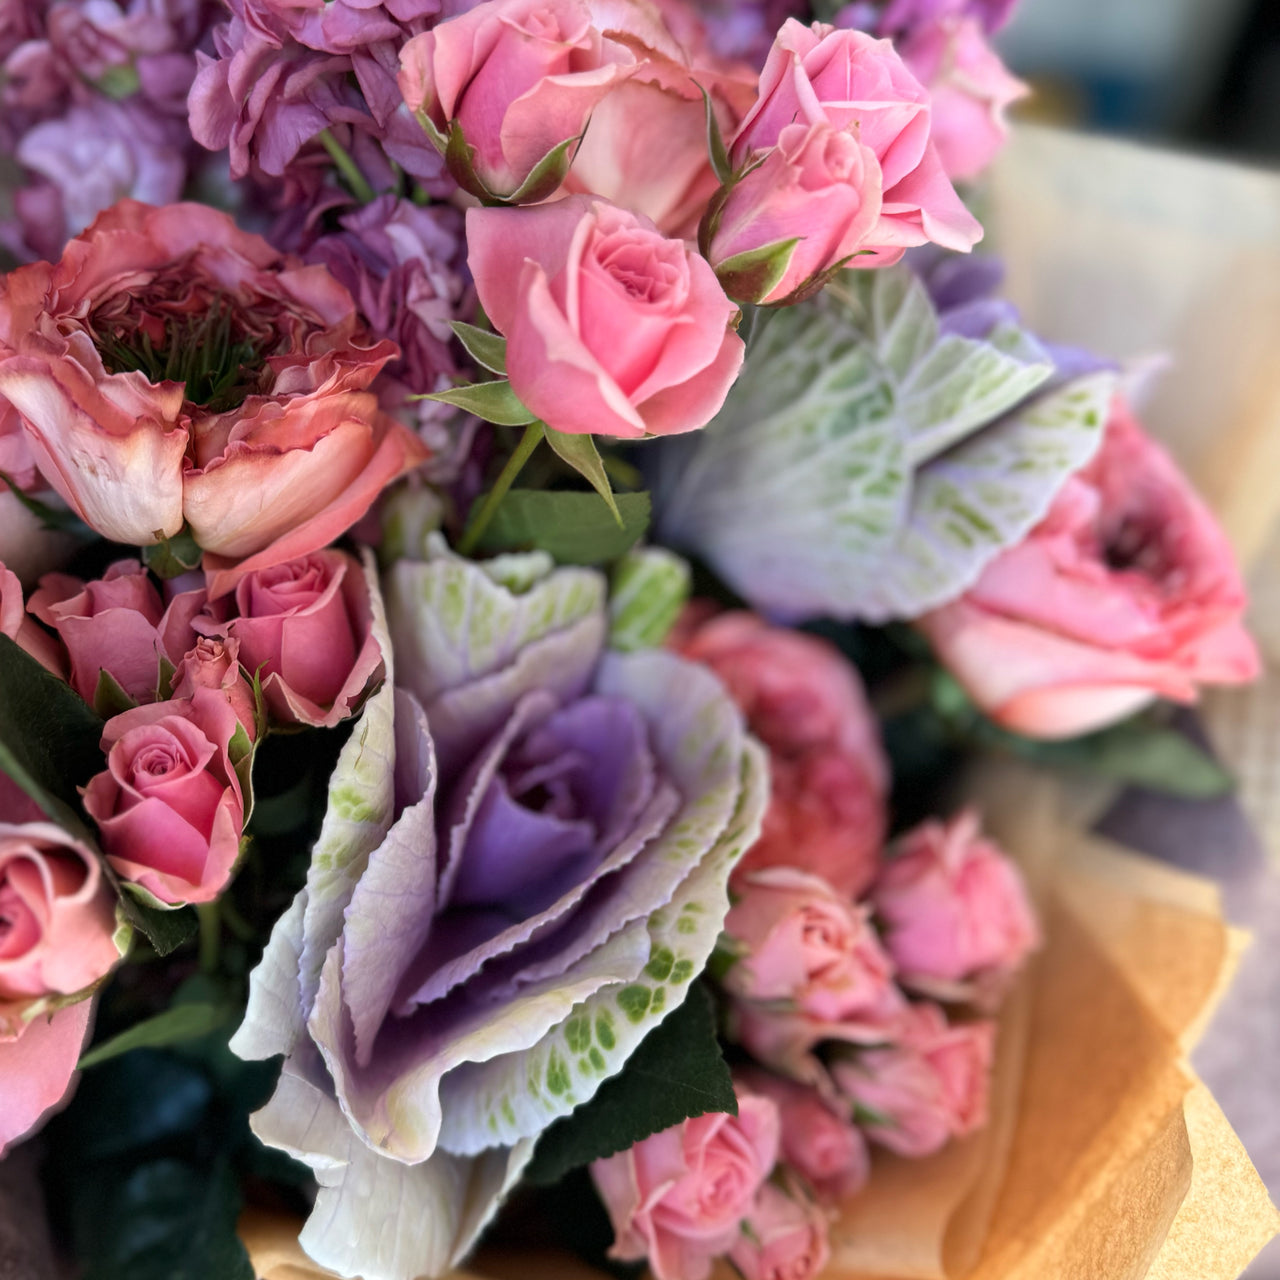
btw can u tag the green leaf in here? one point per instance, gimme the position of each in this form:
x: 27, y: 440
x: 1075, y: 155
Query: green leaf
x: 677, y: 1072
x: 716, y: 149
x: 109, y: 699
x: 172, y: 557
x: 648, y: 589
x: 489, y: 350
x: 581, y: 454
x: 493, y: 401
x: 166, y: 930
x: 177, y: 1023
x: 752, y: 276
x: 574, y: 528
x: 48, y: 736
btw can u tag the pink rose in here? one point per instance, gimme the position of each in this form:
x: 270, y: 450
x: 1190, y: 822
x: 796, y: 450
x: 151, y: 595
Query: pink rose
x: 929, y: 1087
x: 850, y: 80
x: 785, y: 1238
x: 677, y: 1197
x: 15, y: 624
x: 799, y: 942
x: 970, y: 90
x: 611, y: 328
x: 518, y: 78
x: 169, y: 805
x: 306, y: 628
x: 954, y: 909
x: 271, y: 453
x: 117, y: 624
x: 1127, y: 590
x: 819, y: 1144
x: 57, y: 926
x: 214, y: 663
x: 828, y: 773
x: 819, y: 187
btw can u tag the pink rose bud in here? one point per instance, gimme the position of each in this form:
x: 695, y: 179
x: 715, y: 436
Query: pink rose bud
x: 783, y: 1238
x: 970, y: 90
x: 612, y: 329
x: 931, y: 1086
x: 954, y: 909
x: 805, y: 211
x: 15, y: 624
x: 1128, y: 590
x: 828, y: 774
x: 169, y: 805
x: 117, y: 624
x: 800, y: 943
x: 57, y: 925
x: 214, y: 664
x: 853, y: 82
x: 518, y: 78
x: 677, y: 1197
x: 306, y: 628
x: 819, y: 1144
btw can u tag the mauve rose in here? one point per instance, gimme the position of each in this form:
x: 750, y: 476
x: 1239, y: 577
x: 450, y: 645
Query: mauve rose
x: 954, y: 910
x: 798, y: 942
x: 57, y: 927
x: 851, y: 80
x: 1128, y: 590
x: 678, y: 1197
x: 612, y: 329
x: 927, y: 1088
x: 117, y: 624
x: 819, y: 187
x: 15, y: 624
x: 970, y: 89
x: 822, y: 1146
x: 828, y: 772
x: 214, y: 663
x: 305, y: 627
x: 784, y: 1238
x: 169, y: 807
x: 272, y: 453
x: 518, y: 78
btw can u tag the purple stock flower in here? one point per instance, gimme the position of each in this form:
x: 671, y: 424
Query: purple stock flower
x: 523, y: 868
x: 900, y: 16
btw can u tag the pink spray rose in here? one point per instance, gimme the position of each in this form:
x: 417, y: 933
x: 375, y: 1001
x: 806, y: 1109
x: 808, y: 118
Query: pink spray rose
x: 1127, y: 590
x: 827, y: 770
x: 784, y: 1238
x: 970, y: 90
x: 954, y: 909
x: 306, y: 628
x: 57, y: 921
x: 117, y: 624
x: 214, y: 663
x: 799, y: 942
x: 169, y: 806
x: 15, y: 624
x: 677, y: 1197
x: 929, y: 1087
x: 851, y: 80
x: 271, y: 453
x: 611, y: 328
x: 518, y: 78
x: 819, y: 187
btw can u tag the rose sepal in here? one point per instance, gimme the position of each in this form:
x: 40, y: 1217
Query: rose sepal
x: 493, y: 401
x: 543, y: 180
x: 751, y: 276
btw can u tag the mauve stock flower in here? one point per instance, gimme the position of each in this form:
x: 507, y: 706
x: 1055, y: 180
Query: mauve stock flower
x: 1128, y: 590
x: 173, y: 368
x: 536, y: 838
x: 900, y: 17
x: 784, y: 1237
x: 678, y: 1198
x: 828, y: 774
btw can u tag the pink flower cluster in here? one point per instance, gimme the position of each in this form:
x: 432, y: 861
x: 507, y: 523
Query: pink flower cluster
x: 854, y: 976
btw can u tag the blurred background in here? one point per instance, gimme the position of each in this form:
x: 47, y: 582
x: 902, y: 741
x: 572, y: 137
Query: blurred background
x: 1201, y: 74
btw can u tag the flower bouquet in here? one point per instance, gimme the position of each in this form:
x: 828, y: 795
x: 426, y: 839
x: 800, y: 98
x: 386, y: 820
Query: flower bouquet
x: 500, y: 585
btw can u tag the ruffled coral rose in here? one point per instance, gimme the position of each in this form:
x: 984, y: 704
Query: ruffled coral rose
x: 173, y: 368
x: 1128, y: 590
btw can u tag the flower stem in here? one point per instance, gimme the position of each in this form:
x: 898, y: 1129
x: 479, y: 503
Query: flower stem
x: 356, y: 180
x: 476, y: 526
x: 210, y: 935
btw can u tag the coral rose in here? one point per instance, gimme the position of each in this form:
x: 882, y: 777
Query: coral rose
x: 57, y: 937
x: 677, y: 1198
x: 169, y: 806
x: 1127, y: 590
x: 828, y: 772
x: 850, y: 80
x: 611, y: 328
x: 173, y: 368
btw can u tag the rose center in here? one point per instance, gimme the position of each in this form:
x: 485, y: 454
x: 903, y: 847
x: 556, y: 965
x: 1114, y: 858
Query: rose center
x: 1134, y: 546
